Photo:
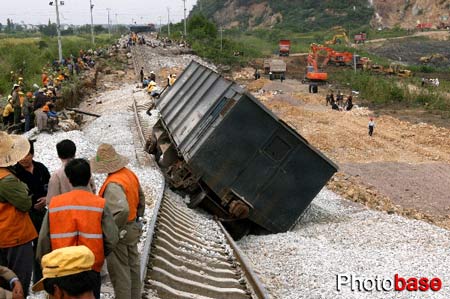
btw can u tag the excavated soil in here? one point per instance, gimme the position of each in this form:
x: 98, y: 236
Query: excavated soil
x: 410, y: 51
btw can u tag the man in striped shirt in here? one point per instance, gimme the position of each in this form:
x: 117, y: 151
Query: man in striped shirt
x: 78, y: 218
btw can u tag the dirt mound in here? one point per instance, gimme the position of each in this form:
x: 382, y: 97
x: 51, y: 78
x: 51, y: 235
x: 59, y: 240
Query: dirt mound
x: 411, y: 50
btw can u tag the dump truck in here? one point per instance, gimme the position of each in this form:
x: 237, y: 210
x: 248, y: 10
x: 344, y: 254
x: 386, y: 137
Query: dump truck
x: 275, y: 66
x: 424, y: 26
x: 360, y: 38
x: 284, y: 47
x: 235, y: 157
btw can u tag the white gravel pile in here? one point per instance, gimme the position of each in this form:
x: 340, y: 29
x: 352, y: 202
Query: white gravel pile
x: 335, y: 238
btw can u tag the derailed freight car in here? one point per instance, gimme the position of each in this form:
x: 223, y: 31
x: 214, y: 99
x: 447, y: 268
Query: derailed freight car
x: 236, y: 158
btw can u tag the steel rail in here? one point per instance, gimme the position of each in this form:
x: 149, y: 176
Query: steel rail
x: 151, y: 226
x: 252, y: 278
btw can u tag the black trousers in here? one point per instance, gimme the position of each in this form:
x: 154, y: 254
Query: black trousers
x: 370, y: 130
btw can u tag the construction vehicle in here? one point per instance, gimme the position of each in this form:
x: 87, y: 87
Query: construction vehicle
x: 337, y: 39
x: 276, y: 67
x: 398, y: 70
x: 424, y: 26
x: 332, y: 56
x: 284, y: 47
x: 360, y: 38
x: 313, y: 74
x: 443, y: 25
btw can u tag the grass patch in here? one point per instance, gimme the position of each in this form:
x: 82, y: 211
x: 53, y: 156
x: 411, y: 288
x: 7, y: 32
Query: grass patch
x: 27, y: 56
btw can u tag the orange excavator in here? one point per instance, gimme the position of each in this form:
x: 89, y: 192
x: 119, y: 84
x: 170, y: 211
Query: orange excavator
x: 313, y: 74
x: 331, y: 56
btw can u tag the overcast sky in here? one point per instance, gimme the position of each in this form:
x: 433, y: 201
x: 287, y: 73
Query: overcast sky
x: 77, y: 11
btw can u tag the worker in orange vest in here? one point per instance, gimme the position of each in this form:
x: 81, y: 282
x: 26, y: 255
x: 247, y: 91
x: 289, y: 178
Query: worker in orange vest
x: 124, y: 196
x: 78, y: 218
x: 16, y: 228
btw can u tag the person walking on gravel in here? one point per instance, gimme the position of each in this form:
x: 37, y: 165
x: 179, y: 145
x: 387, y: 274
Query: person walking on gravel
x: 125, y: 198
x: 371, y: 126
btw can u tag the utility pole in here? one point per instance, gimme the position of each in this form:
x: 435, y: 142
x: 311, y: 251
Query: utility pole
x: 92, y: 23
x: 221, y: 38
x: 58, y: 30
x: 168, y: 22
x: 160, y: 25
x: 117, y: 24
x: 185, y: 31
x: 109, y: 25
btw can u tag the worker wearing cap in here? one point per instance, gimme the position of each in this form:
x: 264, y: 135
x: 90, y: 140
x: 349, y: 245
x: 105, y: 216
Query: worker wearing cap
x: 77, y: 218
x: 67, y: 273
x: 124, y: 196
x: 152, y: 88
x: 8, y: 113
x: 16, y: 103
x: 16, y: 228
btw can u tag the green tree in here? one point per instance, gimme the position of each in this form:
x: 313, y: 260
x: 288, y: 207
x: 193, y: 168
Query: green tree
x: 200, y: 28
x: 49, y: 30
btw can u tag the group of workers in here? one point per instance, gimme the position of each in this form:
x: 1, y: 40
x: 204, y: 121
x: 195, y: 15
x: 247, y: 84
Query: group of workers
x: 44, y: 216
x: 338, y: 102
x: 149, y: 83
x: 38, y: 105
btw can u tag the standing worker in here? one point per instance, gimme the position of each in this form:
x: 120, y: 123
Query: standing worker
x: 141, y: 74
x: 27, y: 108
x: 371, y: 126
x: 78, y: 218
x: 16, y: 228
x: 59, y: 183
x: 125, y: 198
x: 16, y: 103
x: 35, y: 175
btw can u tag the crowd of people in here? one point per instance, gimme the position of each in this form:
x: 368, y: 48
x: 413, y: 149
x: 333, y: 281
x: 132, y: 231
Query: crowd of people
x: 36, y: 206
x: 338, y: 103
x: 37, y: 106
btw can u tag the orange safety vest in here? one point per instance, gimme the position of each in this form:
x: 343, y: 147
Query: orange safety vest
x: 75, y: 218
x: 130, y: 184
x: 16, y: 227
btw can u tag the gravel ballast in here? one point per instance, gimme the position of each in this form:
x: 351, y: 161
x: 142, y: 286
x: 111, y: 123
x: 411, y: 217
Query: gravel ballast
x: 335, y: 237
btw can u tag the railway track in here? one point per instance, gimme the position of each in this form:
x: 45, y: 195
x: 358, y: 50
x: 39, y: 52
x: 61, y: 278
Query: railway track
x: 188, y: 256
